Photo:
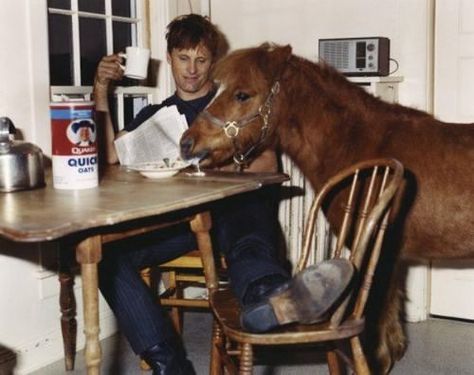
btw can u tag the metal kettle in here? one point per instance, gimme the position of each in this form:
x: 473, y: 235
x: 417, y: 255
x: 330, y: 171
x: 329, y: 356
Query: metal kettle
x: 21, y: 163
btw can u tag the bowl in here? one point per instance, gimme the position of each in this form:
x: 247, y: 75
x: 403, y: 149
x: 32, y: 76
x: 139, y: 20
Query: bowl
x: 159, y: 169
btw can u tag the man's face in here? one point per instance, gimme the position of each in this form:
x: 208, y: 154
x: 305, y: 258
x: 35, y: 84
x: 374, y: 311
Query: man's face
x: 190, y: 69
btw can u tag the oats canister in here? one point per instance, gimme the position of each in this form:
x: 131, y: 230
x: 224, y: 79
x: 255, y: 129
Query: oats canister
x: 74, y: 145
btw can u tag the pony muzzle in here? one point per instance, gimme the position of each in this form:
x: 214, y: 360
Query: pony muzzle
x: 187, y: 146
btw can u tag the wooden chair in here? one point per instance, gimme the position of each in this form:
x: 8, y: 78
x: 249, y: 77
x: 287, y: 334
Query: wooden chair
x: 182, y: 272
x: 185, y: 271
x: 360, y: 198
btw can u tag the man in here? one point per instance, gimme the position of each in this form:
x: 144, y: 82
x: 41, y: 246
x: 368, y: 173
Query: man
x: 244, y: 228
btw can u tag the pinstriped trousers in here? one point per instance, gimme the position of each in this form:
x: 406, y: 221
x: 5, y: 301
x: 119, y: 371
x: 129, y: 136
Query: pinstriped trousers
x: 245, y: 230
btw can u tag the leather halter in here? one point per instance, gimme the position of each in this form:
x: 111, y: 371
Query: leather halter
x: 232, y: 127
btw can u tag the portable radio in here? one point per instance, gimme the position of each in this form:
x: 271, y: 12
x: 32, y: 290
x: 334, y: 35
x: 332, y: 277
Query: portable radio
x: 357, y: 56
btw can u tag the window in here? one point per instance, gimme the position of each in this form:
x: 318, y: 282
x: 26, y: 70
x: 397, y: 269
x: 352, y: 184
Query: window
x: 81, y: 32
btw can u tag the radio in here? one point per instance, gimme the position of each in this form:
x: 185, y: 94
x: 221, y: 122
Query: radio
x: 357, y: 56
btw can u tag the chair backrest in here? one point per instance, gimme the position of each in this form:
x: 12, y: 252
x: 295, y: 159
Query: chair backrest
x: 357, y: 203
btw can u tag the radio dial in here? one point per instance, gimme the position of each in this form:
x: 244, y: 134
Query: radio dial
x: 370, y: 47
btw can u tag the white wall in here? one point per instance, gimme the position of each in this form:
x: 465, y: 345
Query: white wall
x: 24, y: 96
x: 302, y: 22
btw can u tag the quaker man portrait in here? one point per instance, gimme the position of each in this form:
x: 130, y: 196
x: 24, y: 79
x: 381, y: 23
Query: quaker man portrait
x: 244, y: 229
x: 84, y: 130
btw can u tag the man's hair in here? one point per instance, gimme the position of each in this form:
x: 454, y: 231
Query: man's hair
x: 186, y: 32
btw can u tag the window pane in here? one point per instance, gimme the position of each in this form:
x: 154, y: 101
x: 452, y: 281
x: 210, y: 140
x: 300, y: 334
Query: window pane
x: 93, y: 47
x: 128, y: 114
x: 60, y: 50
x: 122, y: 38
x: 122, y: 32
x: 122, y: 8
x: 59, y: 4
x: 132, y: 104
x: 94, y: 6
x: 128, y: 111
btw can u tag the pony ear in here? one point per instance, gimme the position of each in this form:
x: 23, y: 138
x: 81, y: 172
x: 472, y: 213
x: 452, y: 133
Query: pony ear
x: 283, y: 52
x: 278, y: 57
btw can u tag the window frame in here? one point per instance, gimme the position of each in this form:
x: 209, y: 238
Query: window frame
x: 140, y: 37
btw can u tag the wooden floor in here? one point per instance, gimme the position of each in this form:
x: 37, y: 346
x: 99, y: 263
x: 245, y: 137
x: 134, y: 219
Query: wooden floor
x: 437, y: 347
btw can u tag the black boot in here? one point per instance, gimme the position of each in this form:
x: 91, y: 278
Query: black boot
x: 305, y: 299
x: 260, y: 289
x: 168, y: 359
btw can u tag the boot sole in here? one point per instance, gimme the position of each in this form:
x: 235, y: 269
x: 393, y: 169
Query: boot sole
x: 306, y: 298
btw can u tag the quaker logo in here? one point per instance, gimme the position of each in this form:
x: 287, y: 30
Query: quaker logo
x: 82, y: 133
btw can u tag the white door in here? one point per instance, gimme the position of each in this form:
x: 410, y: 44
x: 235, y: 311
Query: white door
x: 452, y: 283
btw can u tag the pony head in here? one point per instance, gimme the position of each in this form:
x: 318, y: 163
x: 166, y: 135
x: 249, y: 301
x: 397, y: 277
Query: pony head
x: 237, y: 124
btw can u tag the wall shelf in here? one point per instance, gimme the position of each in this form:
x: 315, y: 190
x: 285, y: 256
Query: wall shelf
x: 386, y: 88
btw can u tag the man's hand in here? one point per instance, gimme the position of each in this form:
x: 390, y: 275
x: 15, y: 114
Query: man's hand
x: 109, y: 69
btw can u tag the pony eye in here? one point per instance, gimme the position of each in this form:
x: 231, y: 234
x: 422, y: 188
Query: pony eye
x: 242, y: 96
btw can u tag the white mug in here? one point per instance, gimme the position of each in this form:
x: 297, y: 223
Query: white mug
x: 136, y: 65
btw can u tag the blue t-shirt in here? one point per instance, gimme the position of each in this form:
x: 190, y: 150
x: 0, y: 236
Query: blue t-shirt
x: 189, y: 108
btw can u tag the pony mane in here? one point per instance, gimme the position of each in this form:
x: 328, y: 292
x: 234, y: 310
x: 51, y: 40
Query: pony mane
x: 340, y: 89
x: 255, y: 65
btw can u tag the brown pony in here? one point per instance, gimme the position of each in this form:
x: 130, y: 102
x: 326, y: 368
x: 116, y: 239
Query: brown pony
x: 271, y: 98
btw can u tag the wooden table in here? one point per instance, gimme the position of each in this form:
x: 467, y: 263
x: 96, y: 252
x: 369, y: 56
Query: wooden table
x: 124, y: 204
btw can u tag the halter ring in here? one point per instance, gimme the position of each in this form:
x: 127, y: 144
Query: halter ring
x: 231, y: 129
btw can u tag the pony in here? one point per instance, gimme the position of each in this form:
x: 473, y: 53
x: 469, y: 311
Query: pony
x: 271, y: 98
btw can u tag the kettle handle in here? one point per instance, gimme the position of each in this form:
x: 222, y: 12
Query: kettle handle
x: 6, y: 128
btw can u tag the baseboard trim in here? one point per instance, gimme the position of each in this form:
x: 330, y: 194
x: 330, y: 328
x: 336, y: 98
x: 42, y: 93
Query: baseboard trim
x: 43, y: 351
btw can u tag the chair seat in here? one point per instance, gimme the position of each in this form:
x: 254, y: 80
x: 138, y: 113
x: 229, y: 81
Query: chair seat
x: 191, y: 259
x: 227, y: 312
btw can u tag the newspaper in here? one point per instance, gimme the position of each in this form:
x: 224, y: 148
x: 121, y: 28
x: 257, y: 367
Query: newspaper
x: 154, y: 140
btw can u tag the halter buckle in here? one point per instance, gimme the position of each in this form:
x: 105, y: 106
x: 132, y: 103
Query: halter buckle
x: 275, y: 88
x: 240, y: 162
x: 231, y: 129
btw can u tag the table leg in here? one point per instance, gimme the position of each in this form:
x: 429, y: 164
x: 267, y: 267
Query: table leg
x: 201, y: 225
x: 88, y: 254
x: 67, y: 302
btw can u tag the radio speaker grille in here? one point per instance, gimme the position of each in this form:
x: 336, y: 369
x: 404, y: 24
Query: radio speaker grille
x: 337, y: 54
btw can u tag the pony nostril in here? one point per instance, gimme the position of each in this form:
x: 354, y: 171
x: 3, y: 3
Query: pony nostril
x: 186, y: 146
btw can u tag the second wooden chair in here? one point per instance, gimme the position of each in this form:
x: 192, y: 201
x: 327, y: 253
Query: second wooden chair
x: 357, y: 203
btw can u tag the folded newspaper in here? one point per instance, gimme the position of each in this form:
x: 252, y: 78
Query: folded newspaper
x: 154, y: 140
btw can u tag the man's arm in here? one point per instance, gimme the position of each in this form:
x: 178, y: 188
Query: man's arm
x: 108, y: 70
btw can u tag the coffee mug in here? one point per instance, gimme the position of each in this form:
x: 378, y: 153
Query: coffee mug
x: 136, y: 64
